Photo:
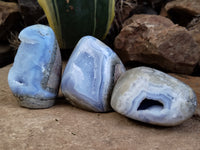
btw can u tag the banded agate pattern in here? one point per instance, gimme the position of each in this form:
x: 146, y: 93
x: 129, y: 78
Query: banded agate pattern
x: 151, y: 96
x: 89, y: 75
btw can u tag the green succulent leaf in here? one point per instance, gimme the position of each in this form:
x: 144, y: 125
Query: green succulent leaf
x: 73, y: 19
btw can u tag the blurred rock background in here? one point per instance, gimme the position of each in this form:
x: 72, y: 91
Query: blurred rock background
x: 164, y: 34
x: 14, y: 16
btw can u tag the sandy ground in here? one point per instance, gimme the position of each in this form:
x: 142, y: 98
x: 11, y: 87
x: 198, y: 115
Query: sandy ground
x: 66, y: 127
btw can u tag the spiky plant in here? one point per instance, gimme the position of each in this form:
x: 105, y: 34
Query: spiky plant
x: 14, y: 41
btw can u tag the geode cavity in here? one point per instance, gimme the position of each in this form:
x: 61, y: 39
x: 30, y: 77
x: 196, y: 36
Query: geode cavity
x: 151, y: 96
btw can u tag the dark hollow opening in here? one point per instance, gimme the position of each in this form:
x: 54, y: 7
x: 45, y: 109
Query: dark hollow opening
x: 20, y: 80
x: 181, y: 17
x: 147, y: 103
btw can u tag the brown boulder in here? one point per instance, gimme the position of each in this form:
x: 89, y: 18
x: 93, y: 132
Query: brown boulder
x: 182, y: 11
x: 9, y: 18
x: 156, y: 41
x: 194, y: 29
x: 191, y: 6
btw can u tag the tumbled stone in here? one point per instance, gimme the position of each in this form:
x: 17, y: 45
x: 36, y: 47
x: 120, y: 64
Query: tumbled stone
x: 155, y: 41
x: 90, y: 74
x: 35, y: 76
x: 151, y: 96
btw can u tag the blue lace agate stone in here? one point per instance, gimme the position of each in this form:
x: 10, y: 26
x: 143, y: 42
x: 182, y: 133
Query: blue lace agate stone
x: 90, y: 74
x: 35, y: 75
x: 151, y: 96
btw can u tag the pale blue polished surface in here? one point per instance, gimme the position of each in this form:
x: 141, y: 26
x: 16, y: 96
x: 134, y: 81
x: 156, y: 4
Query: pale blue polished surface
x: 37, y: 65
x: 88, y: 78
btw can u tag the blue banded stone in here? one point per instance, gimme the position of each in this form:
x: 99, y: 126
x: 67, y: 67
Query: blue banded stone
x: 35, y: 75
x: 151, y: 96
x: 90, y: 75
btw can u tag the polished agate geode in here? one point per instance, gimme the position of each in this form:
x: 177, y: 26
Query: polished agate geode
x: 35, y: 75
x: 90, y: 74
x: 151, y: 96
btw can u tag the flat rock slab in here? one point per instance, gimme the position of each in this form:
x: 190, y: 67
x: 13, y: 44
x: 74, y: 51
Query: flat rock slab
x: 65, y: 127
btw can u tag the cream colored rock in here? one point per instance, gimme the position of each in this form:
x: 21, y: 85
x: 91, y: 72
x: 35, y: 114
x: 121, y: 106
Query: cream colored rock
x: 151, y: 96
